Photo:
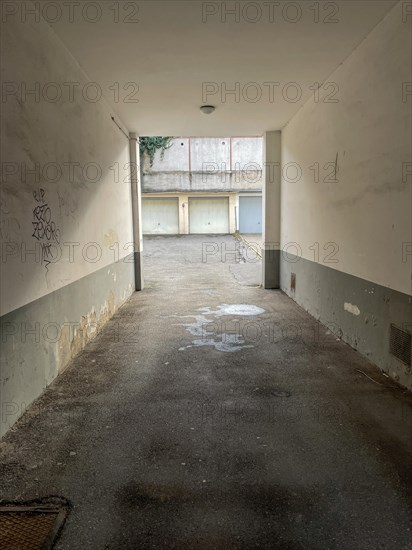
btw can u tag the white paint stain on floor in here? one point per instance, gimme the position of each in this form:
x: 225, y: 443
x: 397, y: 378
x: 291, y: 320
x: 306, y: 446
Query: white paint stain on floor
x: 233, y: 309
x: 207, y: 330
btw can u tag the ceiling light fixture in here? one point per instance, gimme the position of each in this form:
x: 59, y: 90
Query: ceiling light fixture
x: 207, y: 109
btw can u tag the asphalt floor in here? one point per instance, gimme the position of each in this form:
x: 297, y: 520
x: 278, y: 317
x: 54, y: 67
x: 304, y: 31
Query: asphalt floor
x: 210, y: 413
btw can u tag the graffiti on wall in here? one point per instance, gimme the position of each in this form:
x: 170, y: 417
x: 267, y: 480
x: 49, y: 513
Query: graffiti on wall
x: 45, y: 230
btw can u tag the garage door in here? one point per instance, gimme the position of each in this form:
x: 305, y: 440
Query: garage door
x: 250, y: 214
x: 209, y: 215
x: 160, y: 216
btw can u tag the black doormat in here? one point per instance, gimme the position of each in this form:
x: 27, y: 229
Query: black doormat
x: 32, y: 525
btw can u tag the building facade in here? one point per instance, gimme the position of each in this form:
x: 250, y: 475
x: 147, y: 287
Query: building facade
x: 204, y: 186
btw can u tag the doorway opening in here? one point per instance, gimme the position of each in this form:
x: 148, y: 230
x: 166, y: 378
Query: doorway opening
x: 206, y: 187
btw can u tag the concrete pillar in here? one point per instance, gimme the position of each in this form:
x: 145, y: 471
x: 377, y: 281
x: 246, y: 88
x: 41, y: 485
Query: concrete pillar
x: 271, y: 210
x: 233, y: 212
x: 183, y: 215
x: 136, y: 193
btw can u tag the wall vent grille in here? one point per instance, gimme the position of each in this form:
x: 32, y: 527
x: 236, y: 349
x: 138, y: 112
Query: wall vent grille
x: 400, y: 344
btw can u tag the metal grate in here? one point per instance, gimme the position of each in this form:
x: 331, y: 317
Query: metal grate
x: 400, y: 344
x: 30, y: 526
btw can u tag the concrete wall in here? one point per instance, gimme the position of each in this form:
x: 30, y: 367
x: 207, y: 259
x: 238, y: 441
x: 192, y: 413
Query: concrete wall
x: 346, y: 229
x: 66, y: 224
x: 206, y: 164
x: 185, y: 182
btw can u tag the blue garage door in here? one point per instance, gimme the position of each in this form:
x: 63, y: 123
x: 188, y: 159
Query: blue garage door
x: 250, y: 214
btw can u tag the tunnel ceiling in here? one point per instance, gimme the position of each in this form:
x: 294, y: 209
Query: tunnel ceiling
x: 163, y: 57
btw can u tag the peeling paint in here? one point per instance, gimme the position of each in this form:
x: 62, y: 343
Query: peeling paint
x: 110, y: 238
x: 351, y: 308
x: 74, y: 338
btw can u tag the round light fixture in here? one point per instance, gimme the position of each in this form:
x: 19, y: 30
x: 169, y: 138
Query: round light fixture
x: 207, y: 109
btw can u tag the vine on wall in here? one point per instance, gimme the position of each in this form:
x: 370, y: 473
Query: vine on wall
x: 151, y: 144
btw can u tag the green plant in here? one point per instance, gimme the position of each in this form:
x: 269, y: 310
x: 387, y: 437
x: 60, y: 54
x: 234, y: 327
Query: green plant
x: 152, y: 144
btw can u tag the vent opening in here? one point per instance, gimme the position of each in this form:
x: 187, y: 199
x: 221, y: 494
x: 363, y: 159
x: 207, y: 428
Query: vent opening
x: 400, y: 344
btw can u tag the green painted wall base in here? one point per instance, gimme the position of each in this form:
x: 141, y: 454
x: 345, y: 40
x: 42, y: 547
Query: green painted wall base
x: 40, y: 339
x: 358, y: 311
x: 270, y: 268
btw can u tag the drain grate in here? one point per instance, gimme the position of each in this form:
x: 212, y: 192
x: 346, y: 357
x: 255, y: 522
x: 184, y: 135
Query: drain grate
x: 33, y: 525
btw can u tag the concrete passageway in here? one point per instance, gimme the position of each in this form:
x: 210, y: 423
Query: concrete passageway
x: 205, y: 268
x: 212, y: 414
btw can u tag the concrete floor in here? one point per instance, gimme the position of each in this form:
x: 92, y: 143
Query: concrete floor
x: 190, y: 425
x: 253, y: 242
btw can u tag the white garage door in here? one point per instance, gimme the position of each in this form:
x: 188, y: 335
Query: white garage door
x: 160, y: 216
x: 209, y: 215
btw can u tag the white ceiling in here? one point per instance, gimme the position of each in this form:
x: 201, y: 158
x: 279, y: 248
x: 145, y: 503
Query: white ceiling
x: 170, y: 52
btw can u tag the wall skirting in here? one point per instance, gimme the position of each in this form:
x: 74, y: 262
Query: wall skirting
x: 358, y: 311
x: 270, y: 268
x: 40, y: 339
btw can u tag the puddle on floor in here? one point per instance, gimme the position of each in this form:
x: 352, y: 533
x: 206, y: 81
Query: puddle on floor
x: 221, y: 341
